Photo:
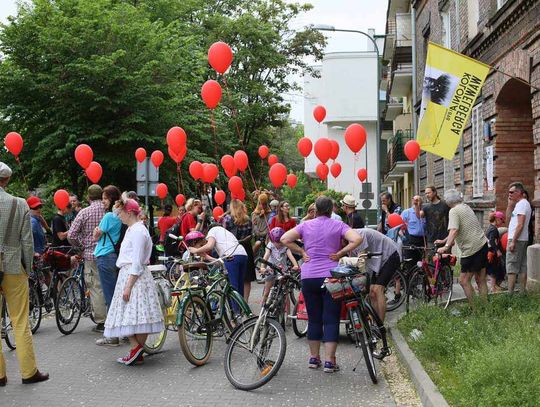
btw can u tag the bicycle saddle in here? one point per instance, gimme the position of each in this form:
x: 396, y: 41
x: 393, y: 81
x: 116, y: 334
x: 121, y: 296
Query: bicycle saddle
x: 344, y: 271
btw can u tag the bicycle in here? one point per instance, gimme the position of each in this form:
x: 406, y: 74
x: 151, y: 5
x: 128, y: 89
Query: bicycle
x: 6, y: 328
x: 72, y: 302
x: 252, y: 341
x: 351, y: 284
x: 431, y: 281
x: 205, y: 311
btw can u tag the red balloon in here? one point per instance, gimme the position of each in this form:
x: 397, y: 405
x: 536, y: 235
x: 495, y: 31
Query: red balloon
x: 504, y: 241
x: 196, y: 170
x: 304, y: 146
x: 291, y: 180
x: 235, y: 184
x: 362, y: 174
x: 180, y: 200
x: 319, y: 113
x: 217, y: 212
x: 14, y: 143
x: 277, y: 174
x: 162, y: 191
x: 210, y: 173
x: 61, y: 199
x: 334, y: 151
x: 211, y: 93
x: 412, y: 149
x: 157, y: 158
x: 355, y: 137
x: 394, y: 220
x: 322, y: 171
x: 241, y: 160
x: 177, y: 158
x: 227, y: 162
x: 219, y: 197
x: 241, y: 195
x: 220, y: 56
x: 335, y: 169
x: 94, y: 172
x: 176, y: 139
x: 84, y: 155
x: 323, y: 149
x: 140, y: 154
x: 272, y: 159
x: 263, y: 152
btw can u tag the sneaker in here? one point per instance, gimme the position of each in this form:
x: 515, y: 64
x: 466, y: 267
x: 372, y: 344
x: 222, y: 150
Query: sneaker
x: 382, y: 353
x: 330, y: 367
x: 396, y: 299
x: 132, y: 357
x: 314, y: 363
x: 108, y: 342
x: 99, y: 328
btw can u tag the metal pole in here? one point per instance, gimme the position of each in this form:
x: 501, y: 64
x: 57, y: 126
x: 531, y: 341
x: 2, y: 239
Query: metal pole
x: 378, y: 133
x: 414, y: 123
x: 147, y: 184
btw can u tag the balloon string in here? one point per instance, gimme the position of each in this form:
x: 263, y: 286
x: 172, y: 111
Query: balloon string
x: 235, y: 117
x: 23, y: 174
x: 354, y: 174
x: 179, y: 169
x: 214, y: 132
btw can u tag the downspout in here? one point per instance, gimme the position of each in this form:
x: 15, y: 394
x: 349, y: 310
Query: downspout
x: 413, y: 110
x: 461, y: 148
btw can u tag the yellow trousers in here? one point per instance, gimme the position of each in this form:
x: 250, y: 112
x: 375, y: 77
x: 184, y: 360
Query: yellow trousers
x: 15, y: 290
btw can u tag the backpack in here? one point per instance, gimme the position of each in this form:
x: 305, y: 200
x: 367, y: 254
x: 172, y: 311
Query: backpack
x: 117, y: 245
x: 172, y: 246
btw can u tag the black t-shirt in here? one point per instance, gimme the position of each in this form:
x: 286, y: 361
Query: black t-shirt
x: 355, y: 221
x: 59, y: 225
x: 436, y: 220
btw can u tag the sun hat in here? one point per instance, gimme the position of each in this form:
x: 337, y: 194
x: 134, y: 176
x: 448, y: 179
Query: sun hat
x: 34, y: 202
x: 5, y: 171
x: 348, y: 200
x: 274, y: 202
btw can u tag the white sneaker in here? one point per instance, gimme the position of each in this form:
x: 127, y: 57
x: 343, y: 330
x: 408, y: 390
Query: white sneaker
x: 108, y: 342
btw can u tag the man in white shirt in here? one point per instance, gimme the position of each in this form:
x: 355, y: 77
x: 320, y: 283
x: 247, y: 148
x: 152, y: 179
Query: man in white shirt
x: 519, y: 213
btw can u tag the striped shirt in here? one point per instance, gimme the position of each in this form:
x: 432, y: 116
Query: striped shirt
x: 470, y: 237
x: 82, y: 229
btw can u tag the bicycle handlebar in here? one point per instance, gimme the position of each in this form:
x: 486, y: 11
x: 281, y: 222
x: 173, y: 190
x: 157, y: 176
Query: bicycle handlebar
x: 271, y: 265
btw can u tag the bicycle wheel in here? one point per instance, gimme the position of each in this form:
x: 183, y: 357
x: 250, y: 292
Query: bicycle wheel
x: 154, y: 342
x: 234, y: 312
x: 35, y: 311
x: 69, y: 306
x: 299, y: 321
x: 255, y: 353
x: 444, y: 286
x: 417, y: 292
x: 194, y: 334
x: 398, y: 282
x: 364, y: 340
x: 7, y: 329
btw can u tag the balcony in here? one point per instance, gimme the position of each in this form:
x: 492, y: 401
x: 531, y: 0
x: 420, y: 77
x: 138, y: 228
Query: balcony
x: 394, y: 107
x: 396, y: 161
x: 401, y: 81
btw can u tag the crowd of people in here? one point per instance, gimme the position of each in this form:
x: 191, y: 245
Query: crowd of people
x: 117, y: 245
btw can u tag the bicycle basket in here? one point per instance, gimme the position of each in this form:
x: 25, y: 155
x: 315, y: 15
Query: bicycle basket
x: 341, y: 288
x: 57, y: 260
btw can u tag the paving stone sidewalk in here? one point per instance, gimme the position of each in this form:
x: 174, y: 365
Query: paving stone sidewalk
x: 83, y: 374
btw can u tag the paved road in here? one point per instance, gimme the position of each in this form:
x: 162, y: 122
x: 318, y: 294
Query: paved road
x: 84, y: 374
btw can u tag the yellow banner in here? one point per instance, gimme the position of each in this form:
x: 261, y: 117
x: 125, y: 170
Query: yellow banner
x: 452, y: 82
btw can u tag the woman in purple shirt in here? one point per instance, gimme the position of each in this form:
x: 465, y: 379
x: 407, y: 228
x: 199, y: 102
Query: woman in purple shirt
x: 322, y: 239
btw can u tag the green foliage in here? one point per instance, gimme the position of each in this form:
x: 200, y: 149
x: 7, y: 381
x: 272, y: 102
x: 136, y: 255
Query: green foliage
x: 118, y: 74
x: 485, y: 356
x: 304, y: 187
x: 310, y: 198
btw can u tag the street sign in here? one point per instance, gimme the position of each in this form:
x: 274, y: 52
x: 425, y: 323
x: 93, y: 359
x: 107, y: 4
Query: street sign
x: 366, y: 195
x: 146, y: 167
x: 141, y: 188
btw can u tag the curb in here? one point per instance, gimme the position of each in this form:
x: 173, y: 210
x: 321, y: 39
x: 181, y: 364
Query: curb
x: 427, y: 390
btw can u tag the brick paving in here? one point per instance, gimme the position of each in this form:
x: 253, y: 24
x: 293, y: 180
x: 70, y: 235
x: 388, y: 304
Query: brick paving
x: 83, y: 374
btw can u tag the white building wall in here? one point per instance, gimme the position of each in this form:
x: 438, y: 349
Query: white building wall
x: 347, y: 89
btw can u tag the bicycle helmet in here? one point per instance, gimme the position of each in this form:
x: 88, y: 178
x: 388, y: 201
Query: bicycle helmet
x: 193, y: 237
x: 276, y: 233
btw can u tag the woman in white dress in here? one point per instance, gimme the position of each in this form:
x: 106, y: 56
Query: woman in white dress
x: 135, y: 311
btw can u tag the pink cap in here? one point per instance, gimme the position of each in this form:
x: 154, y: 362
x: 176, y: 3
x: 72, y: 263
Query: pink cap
x: 499, y: 215
x: 131, y: 205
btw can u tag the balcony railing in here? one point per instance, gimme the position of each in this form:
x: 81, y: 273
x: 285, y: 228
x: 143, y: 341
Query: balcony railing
x: 395, y: 151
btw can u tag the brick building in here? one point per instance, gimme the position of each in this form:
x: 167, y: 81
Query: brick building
x: 501, y: 142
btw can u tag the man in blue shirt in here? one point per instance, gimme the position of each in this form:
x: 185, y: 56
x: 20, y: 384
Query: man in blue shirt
x: 415, y: 228
x: 38, y: 223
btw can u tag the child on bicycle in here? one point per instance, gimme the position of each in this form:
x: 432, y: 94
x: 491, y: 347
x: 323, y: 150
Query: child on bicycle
x: 276, y: 253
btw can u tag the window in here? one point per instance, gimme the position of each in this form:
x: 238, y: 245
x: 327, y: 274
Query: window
x: 477, y: 151
x: 501, y: 3
x: 446, y: 30
x: 473, y: 15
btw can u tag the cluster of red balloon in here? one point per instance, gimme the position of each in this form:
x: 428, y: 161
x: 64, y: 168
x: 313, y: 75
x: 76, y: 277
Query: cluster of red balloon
x: 206, y: 172
x: 84, y: 156
x: 177, y: 144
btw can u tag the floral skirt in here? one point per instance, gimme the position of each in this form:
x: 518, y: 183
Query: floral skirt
x: 142, y: 314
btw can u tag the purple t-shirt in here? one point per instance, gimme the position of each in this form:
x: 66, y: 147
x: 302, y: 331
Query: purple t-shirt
x: 322, y: 237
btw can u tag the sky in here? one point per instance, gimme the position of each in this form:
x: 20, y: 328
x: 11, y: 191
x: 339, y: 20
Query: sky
x: 343, y: 14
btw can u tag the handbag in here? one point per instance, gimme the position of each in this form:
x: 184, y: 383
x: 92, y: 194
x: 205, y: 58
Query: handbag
x: 163, y: 288
x: 8, y: 230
